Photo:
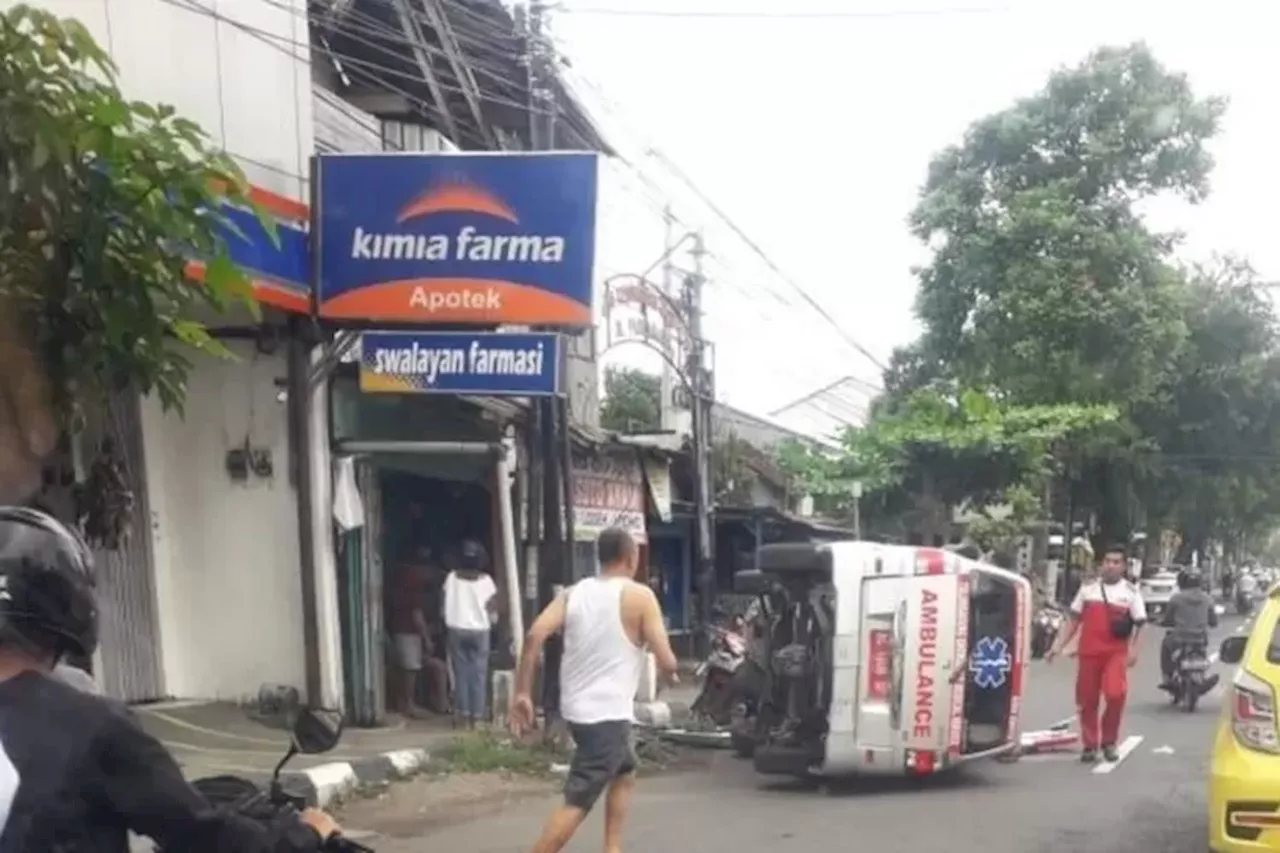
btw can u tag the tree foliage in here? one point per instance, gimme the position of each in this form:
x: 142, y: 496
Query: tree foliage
x: 944, y: 448
x: 103, y: 202
x: 1209, y: 463
x: 1045, y: 283
x: 1047, y: 287
x: 632, y: 401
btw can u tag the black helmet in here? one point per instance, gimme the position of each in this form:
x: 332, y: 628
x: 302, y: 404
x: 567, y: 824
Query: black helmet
x: 46, y: 585
x: 1188, y: 579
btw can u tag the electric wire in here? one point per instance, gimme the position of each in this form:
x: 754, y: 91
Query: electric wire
x: 779, y: 15
x: 372, y: 28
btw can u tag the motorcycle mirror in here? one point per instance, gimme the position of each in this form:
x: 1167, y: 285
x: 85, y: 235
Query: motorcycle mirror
x: 1232, y: 649
x: 316, y: 730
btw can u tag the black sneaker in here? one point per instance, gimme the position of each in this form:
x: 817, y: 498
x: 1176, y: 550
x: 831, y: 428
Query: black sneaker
x: 1088, y: 756
x: 1109, y: 754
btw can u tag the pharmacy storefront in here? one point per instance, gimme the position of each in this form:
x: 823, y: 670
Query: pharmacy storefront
x: 433, y: 268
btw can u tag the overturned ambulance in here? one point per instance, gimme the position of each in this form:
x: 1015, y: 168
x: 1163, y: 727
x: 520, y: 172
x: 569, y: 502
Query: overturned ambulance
x: 884, y: 659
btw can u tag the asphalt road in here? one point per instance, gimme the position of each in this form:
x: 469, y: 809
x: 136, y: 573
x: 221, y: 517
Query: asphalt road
x: 1152, y: 801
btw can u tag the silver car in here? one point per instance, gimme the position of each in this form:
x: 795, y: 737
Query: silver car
x: 1157, y: 590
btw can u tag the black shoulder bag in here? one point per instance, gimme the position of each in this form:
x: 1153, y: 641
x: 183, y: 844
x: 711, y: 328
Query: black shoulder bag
x: 1121, y: 626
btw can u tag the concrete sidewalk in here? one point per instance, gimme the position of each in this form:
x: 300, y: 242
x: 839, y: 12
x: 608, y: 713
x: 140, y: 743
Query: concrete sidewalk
x: 215, y: 738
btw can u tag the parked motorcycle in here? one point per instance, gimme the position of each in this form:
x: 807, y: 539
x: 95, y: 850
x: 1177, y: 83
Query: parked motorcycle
x: 1044, y: 631
x: 314, y: 732
x: 1191, y: 678
x: 1244, y: 603
x: 716, y: 698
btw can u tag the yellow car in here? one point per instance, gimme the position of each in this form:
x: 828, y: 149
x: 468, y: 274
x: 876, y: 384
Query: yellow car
x: 1244, y: 780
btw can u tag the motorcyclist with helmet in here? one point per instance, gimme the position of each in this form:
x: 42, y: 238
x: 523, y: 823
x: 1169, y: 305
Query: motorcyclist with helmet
x: 77, y: 773
x: 1189, y: 616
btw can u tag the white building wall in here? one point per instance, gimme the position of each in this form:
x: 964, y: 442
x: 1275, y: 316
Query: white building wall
x: 226, y: 552
x: 241, y: 69
x: 227, y: 557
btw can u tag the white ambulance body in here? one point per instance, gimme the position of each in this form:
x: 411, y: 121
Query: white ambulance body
x: 928, y: 659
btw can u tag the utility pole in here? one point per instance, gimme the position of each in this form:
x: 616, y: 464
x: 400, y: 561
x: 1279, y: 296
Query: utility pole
x: 550, y: 415
x: 533, y: 435
x: 856, y: 491
x: 666, y: 404
x: 701, y: 395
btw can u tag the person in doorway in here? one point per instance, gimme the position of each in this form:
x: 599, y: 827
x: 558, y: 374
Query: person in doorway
x: 1108, y: 613
x: 608, y: 621
x: 470, y: 605
x: 411, y: 636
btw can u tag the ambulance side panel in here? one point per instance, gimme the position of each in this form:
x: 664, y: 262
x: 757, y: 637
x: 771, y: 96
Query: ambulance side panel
x: 882, y: 604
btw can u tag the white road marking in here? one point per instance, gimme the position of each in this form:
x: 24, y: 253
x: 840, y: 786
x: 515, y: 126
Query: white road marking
x: 1163, y: 750
x: 1129, y: 745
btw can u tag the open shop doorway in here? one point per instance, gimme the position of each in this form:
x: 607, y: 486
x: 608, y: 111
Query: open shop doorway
x: 420, y: 511
x: 425, y: 522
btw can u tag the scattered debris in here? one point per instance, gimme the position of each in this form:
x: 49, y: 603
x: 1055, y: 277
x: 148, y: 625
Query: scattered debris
x: 707, y: 739
x: 1163, y: 750
x: 1048, y: 740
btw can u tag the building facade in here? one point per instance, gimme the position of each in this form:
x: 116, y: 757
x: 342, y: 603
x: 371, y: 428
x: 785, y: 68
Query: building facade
x: 234, y: 578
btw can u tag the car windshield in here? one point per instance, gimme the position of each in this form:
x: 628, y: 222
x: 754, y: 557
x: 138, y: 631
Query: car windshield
x: 1273, y: 645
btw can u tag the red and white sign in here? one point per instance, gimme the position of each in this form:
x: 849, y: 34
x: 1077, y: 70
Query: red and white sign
x: 608, y: 491
x: 879, y: 664
x: 926, y: 680
x: 929, y: 659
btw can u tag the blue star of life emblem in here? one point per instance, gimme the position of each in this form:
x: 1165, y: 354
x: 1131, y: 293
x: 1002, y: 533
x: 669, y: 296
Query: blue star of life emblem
x: 990, y: 662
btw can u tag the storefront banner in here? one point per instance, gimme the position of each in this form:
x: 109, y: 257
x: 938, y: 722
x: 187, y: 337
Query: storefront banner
x: 658, y: 474
x: 277, y: 264
x: 491, y: 364
x: 494, y: 238
x: 608, y: 491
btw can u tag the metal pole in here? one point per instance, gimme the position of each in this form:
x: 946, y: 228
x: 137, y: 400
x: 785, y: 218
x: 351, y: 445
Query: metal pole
x: 856, y: 490
x: 300, y: 399
x: 666, y: 403
x: 700, y: 403
x: 551, y: 560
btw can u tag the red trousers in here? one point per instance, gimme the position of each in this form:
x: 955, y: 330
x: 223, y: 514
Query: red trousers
x: 1099, y: 677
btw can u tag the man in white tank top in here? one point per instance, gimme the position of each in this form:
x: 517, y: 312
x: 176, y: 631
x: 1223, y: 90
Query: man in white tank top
x: 609, y: 623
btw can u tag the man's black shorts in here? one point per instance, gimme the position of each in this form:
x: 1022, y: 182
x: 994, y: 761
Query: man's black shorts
x: 602, y: 752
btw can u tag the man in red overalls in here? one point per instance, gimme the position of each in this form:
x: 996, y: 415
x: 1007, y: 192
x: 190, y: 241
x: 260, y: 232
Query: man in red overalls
x: 1108, y: 613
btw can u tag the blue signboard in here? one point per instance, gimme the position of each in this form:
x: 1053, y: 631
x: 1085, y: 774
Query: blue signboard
x: 493, y: 364
x: 280, y: 268
x: 457, y: 238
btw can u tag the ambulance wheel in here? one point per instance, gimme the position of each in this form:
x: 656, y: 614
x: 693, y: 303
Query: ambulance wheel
x: 742, y: 745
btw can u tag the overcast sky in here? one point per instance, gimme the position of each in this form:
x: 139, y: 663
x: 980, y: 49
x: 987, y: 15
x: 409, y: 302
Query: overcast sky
x: 813, y: 133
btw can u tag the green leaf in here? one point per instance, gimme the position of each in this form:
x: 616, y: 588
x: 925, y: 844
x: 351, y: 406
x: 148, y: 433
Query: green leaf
x: 110, y: 200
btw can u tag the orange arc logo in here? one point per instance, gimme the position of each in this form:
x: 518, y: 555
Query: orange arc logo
x: 458, y: 195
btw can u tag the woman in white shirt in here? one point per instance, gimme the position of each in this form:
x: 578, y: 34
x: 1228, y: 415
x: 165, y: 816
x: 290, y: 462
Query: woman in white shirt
x: 470, y: 602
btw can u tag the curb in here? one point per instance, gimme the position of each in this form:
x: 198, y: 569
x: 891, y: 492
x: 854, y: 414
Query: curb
x: 326, y: 784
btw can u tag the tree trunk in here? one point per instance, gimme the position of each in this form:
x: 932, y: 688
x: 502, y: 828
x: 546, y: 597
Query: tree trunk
x: 28, y: 426
x: 1151, y: 548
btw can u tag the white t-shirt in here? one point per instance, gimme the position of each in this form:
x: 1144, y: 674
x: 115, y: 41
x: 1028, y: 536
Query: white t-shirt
x: 466, y: 601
